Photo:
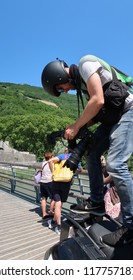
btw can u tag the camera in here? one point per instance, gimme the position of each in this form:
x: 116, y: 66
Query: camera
x: 77, y: 150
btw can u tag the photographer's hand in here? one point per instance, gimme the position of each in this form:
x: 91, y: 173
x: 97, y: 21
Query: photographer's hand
x: 71, y: 131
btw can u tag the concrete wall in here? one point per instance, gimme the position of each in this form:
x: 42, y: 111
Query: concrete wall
x: 9, y: 154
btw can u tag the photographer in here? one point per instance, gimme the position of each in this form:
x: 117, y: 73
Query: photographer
x: 110, y: 102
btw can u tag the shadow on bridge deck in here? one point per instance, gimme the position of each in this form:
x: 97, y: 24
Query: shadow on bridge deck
x: 23, y: 233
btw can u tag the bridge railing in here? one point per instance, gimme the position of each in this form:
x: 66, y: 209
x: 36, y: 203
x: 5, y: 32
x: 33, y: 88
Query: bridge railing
x: 18, y: 179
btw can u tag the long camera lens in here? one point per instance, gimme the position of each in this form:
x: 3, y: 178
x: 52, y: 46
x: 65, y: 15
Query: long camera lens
x: 77, y: 150
x: 76, y: 155
x: 83, y: 146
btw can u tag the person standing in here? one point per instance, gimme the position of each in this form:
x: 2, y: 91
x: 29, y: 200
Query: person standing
x: 60, y: 194
x: 46, y: 186
x: 109, y: 96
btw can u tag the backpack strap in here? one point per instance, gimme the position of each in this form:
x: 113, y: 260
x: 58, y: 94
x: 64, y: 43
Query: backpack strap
x: 128, y: 83
x: 44, y: 165
x: 113, y: 73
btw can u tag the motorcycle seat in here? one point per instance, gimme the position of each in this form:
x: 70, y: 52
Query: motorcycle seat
x: 97, y: 230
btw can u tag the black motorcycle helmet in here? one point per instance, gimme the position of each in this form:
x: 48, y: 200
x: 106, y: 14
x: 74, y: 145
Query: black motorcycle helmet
x: 54, y: 74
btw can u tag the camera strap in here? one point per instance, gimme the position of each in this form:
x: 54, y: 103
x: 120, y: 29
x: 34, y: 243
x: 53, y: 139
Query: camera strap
x: 79, y: 98
x: 76, y: 81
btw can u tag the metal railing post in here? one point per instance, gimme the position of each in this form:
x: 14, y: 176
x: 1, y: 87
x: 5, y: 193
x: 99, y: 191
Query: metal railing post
x: 80, y: 200
x: 13, y: 181
x: 37, y: 191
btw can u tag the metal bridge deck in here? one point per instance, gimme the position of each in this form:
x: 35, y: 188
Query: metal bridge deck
x: 23, y: 233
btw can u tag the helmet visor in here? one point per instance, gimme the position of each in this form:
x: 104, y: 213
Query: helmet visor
x: 60, y: 90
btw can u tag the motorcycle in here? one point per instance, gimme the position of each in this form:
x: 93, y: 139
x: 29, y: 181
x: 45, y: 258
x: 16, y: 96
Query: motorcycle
x: 81, y: 239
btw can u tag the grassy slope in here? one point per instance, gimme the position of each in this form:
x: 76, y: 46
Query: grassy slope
x: 14, y: 100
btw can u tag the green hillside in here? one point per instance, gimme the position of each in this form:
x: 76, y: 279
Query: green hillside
x: 15, y: 99
x: 25, y: 119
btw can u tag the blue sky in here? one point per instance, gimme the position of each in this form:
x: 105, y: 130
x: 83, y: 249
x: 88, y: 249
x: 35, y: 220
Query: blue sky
x: 34, y: 32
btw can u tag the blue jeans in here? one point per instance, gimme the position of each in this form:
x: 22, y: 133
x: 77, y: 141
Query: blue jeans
x: 117, y: 139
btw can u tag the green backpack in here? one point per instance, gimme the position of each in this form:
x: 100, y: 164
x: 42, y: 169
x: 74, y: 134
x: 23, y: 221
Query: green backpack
x: 123, y: 77
x: 118, y: 73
